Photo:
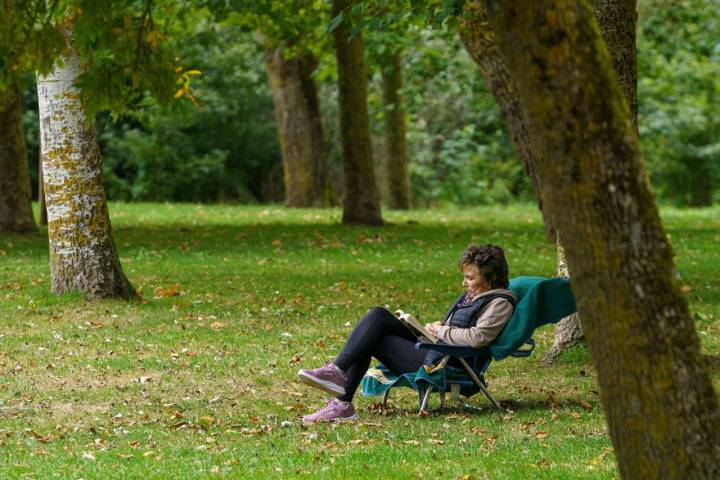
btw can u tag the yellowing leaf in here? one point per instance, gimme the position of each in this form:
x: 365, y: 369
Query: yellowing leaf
x: 179, y: 93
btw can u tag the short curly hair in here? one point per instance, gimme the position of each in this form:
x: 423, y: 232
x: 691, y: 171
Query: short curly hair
x: 490, y: 261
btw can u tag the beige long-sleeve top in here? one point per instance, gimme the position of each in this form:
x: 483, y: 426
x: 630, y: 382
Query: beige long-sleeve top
x: 489, y: 324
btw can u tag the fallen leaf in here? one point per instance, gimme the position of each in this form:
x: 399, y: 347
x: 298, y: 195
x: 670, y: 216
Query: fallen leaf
x: 88, y: 456
x: 171, y: 291
x: 541, y: 435
x: 217, y: 325
x: 411, y: 442
x: 586, y: 405
x: 435, y: 441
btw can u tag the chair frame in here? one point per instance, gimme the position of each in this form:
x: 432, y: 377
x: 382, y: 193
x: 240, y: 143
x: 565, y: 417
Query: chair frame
x: 461, y: 354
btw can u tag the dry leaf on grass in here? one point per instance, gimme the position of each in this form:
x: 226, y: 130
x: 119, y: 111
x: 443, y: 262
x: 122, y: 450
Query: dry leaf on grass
x: 171, y: 291
x: 541, y: 435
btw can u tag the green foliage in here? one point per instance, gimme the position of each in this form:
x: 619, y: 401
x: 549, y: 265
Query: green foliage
x: 225, y: 150
x: 460, y: 150
x: 679, y: 98
x: 29, y: 38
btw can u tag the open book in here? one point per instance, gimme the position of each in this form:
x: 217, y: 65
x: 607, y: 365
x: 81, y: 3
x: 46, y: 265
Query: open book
x: 417, y: 328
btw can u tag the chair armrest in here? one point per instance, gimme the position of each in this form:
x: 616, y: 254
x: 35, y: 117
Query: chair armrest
x: 524, y: 353
x: 452, y: 350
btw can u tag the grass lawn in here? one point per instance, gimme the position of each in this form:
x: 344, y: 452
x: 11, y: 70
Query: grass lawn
x: 201, y: 384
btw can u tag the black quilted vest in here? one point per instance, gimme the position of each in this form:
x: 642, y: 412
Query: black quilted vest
x: 465, y: 316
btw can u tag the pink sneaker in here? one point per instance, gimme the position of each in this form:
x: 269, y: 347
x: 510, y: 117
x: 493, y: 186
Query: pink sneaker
x: 327, y: 377
x: 334, y: 411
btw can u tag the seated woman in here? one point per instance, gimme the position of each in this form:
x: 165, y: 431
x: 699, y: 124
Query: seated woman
x: 475, y: 319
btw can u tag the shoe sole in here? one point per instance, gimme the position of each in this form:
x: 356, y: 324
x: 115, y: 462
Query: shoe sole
x: 334, y: 420
x: 321, y: 384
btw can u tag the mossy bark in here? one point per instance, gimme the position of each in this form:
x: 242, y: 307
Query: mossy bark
x: 83, y: 256
x: 362, y: 201
x: 396, y: 150
x: 15, y: 195
x: 661, y: 407
x: 302, y: 143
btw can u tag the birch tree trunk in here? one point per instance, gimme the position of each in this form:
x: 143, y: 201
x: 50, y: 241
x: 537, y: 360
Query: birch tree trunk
x: 15, y: 195
x: 362, y: 200
x: 661, y: 407
x: 82, y: 252
x: 302, y: 143
x: 396, y: 149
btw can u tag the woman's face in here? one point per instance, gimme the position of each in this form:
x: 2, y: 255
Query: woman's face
x: 474, y: 281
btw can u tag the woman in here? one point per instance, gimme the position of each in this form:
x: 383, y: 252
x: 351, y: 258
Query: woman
x: 475, y: 319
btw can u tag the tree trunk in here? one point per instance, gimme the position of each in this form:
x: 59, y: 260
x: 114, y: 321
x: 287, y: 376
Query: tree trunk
x: 660, y: 404
x: 568, y: 331
x: 82, y: 252
x: 617, y: 20
x: 15, y: 194
x: 297, y: 114
x: 362, y: 200
x: 396, y: 149
x: 479, y: 41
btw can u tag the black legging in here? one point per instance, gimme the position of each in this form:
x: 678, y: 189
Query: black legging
x: 379, y: 334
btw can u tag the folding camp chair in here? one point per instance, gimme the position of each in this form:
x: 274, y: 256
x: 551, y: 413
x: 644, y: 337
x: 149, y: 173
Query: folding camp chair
x: 540, y: 301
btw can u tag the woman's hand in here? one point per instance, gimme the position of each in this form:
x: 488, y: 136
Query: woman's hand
x: 433, y: 327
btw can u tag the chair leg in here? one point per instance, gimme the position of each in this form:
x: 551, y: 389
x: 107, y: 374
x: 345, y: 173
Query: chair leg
x: 442, y: 398
x: 479, y: 383
x: 385, y: 398
x: 425, y: 398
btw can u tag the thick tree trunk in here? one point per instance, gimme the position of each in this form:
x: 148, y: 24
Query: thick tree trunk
x: 15, y: 195
x: 479, y: 41
x: 297, y: 114
x: 362, y: 200
x: 396, y: 149
x: 661, y: 407
x: 82, y: 252
x: 617, y: 20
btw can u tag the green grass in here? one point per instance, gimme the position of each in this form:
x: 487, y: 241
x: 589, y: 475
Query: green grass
x: 198, y: 385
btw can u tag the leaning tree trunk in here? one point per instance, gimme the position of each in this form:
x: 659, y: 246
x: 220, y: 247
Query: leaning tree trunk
x: 617, y: 20
x: 396, y: 149
x: 362, y: 200
x: 299, y: 127
x: 661, y: 407
x: 479, y: 41
x: 82, y: 252
x: 15, y: 195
